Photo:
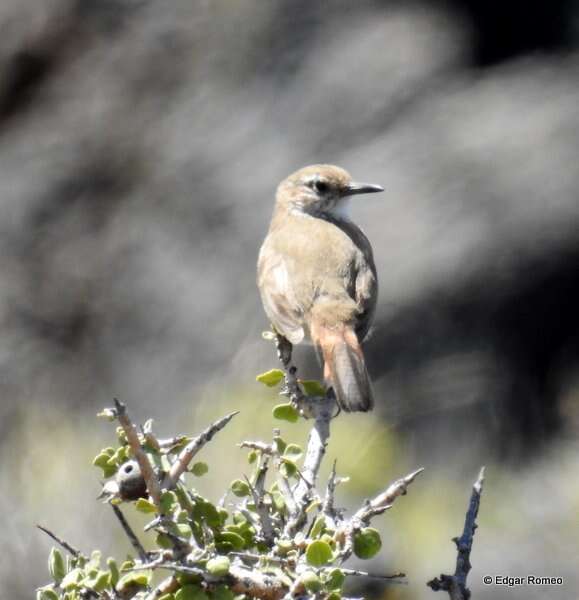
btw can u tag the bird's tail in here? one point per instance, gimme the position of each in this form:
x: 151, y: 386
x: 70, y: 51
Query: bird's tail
x: 344, y: 367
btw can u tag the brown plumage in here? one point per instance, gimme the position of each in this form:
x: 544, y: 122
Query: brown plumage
x: 317, y: 277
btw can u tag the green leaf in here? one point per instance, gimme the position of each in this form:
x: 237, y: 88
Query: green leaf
x: 311, y: 581
x: 56, y: 565
x: 313, y: 388
x: 236, y: 540
x: 252, y: 456
x: 109, y: 470
x: 318, y: 526
x: 318, y: 553
x: 182, y: 530
x: 127, y: 564
x: 335, y: 579
x: 286, y: 412
x: 145, y: 506
x: 288, y: 467
x: 280, y: 445
x: 284, y: 546
x: 293, y: 451
x: 168, y: 501
x: 205, y: 510
x: 191, y: 592
x: 334, y: 596
x: 278, y: 501
x: 135, y: 578
x: 270, y: 378
x: 46, y: 593
x: 219, y: 566
x: 199, y: 469
x: 97, y: 581
x: 240, y: 488
x: 72, y: 579
x: 114, y: 571
x: 221, y: 592
x: 100, y: 460
x: 164, y: 541
x: 367, y: 543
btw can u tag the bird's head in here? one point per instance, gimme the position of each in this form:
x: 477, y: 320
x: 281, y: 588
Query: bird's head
x: 320, y: 190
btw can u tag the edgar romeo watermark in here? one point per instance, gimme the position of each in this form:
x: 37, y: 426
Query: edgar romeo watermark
x: 509, y: 581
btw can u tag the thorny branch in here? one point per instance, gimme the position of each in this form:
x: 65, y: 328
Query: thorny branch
x: 455, y: 584
x: 130, y: 533
x: 192, y: 448
x: 370, y: 509
x: 321, y: 410
x: 60, y: 541
x: 147, y: 471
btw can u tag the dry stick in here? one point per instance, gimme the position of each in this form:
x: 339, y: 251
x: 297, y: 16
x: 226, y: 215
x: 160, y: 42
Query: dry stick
x: 455, y: 584
x: 258, y: 492
x: 370, y: 509
x: 130, y: 534
x: 383, y: 501
x: 192, y: 448
x: 168, y: 585
x: 328, y: 507
x: 321, y: 410
x: 133, y: 438
x: 393, y: 578
x: 60, y: 541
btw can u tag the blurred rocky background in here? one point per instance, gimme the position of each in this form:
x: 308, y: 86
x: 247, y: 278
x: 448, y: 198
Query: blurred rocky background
x: 140, y: 146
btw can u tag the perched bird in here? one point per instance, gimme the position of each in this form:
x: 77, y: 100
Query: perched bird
x: 317, y: 278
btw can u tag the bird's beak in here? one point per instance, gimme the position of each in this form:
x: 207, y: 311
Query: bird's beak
x: 362, y: 188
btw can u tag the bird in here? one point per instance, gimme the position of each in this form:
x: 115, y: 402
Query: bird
x: 317, y: 278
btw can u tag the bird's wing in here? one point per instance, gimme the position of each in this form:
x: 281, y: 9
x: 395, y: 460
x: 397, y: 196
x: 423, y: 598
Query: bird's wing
x: 278, y: 297
x: 366, y: 294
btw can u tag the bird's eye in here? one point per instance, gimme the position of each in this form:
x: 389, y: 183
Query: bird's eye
x: 320, y: 186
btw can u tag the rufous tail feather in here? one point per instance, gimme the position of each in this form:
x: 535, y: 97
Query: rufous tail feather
x: 344, y: 367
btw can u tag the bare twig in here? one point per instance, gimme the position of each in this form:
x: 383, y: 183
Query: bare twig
x: 259, y: 446
x: 316, y: 449
x: 130, y: 534
x: 394, y: 578
x: 168, y: 585
x: 144, y: 464
x: 328, y: 507
x: 321, y: 410
x: 370, y: 509
x: 258, y: 492
x: 192, y: 448
x: 455, y: 584
x: 384, y: 501
x: 71, y: 549
x: 291, y: 387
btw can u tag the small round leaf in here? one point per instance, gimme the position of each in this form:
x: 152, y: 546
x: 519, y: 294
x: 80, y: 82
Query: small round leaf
x: 240, y: 488
x: 367, y: 543
x: 218, y: 566
x: 270, y: 378
x: 199, y: 469
x: 311, y: 581
x: 145, y: 506
x: 313, y: 388
x: 318, y: 553
x: 56, y: 565
x: 286, y: 412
